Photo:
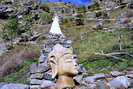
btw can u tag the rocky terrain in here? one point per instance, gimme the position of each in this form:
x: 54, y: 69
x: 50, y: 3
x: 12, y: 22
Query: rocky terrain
x: 100, y: 34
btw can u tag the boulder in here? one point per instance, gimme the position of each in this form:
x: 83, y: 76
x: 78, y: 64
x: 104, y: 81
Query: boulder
x: 2, y: 84
x: 120, y: 82
x: 36, y: 76
x: 47, y: 83
x: 15, y: 86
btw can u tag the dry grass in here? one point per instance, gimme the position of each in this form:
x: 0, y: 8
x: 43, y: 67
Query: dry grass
x: 10, y: 62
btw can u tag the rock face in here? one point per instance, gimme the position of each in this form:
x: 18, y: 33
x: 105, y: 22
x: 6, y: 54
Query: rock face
x: 9, y: 7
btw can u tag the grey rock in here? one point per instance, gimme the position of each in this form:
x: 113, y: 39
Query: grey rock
x: 89, y: 79
x: 47, y: 83
x: 103, y: 86
x: 131, y: 83
x: 48, y: 76
x: 3, y: 48
x: 15, y: 86
x: 36, y: 82
x: 36, y: 76
x: 120, y: 82
x: 2, y: 84
x: 99, y: 76
x: 42, y: 59
x: 38, y: 69
x: 35, y: 87
x: 130, y: 76
x: 78, y: 78
x: 116, y: 73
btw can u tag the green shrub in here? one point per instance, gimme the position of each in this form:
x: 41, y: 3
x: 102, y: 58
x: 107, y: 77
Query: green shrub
x: 10, y: 30
x: 46, y: 17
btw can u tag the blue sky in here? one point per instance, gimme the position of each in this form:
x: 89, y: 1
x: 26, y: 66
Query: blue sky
x: 76, y: 2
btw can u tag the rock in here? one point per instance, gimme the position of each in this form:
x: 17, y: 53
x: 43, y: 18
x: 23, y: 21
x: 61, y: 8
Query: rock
x: 15, y: 86
x: 100, y: 76
x: 120, y: 82
x: 130, y: 76
x: 89, y: 79
x: 103, y: 86
x: 47, y: 83
x: 38, y: 69
x: 2, y: 84
x: 116, y: 73
x: 36, y: 76
x: 78, y: 78
x: 48, y: 76
x: 3, y: 48
x: 34, y: 86
x: 34, y: 37
x: 42, y: 59
x: 36, y: 82
x: 131, y: 83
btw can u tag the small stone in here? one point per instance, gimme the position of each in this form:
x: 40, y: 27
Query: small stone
x: 131, y: 83
x: 36, y: 82
x: 120, y: 82
x: 15, y: 86
x: 38, y: 69
x: 78, y: 78
x: 99, y: 76
x: 48, y: 76
x: 89, y: 79
x: 2, y: 84
x: 47, y: 83
x: 130, y: 76
x: 35, y: 87
x: 36, y: 76
x: 103, y: 86
x: 116, y: 73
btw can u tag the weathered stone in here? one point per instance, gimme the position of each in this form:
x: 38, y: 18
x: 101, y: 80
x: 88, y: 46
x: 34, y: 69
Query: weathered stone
x: 78, y: 78
x: 116, y: 73
x: 36, y: 82
x: 35, y: 87
x: 2, y: 84
x: 131, y: 83
x: 120, y: 82
x: 47, y: 83
x: 130, y: 76
x: 36, y: 76
x: 90, y: 79
x: 3, y: 48
x: 103, y: 86
x: 15, y: 86
x: 100, y: 76
x: 38, y: 69
x: 42, y: 59
x: 48, y: 76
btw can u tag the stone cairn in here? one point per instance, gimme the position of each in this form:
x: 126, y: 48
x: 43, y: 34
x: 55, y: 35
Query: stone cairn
x: 41, y: 76
x: 41, y: 73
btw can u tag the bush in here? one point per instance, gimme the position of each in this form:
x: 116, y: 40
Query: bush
x: 46, y: 17
x: 14, y: 28
x: 10, y: 30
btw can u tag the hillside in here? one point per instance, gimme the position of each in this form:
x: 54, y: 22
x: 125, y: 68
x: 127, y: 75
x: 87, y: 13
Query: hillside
x: 102, y: 35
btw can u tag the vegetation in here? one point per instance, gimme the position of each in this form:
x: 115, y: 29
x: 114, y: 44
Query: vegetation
x: 21, y: 74
x: 10, y: 30
x: 15, y: 27
x: 108, y: 43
